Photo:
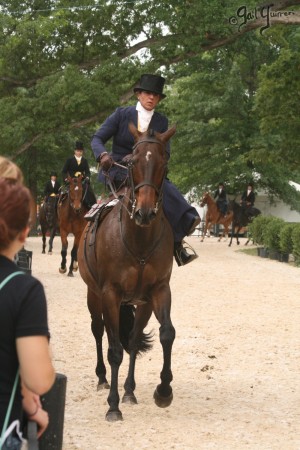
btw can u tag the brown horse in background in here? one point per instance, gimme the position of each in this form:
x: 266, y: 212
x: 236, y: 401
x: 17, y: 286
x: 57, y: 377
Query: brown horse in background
x: 71, y: 212
x: 214, y: 216
x: 126, y: 263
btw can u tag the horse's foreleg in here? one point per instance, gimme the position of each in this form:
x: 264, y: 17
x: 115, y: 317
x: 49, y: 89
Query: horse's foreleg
x: 97, y: 326
x: 204, y: 231
x: 73, y: 260
x: 52, y: 235
x: 44, y: 242
x: 114, y: 354
x: 237, y: 235
x: 163, y: 394
x: 137, y: 338
x: 64, y: 249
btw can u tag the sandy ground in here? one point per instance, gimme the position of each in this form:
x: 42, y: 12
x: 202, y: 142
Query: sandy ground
x: 236, y: 357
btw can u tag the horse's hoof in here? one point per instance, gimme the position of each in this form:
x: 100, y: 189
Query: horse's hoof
x: 70, y: 274
x: 129, y: 399
x: 62, y: 270
x: 49, y: 253
x: 104, y: 385
x: 113, y: 416
x: 162, y: 402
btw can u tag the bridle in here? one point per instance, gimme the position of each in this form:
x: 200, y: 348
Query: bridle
x: 71, y: 203
x: 134, y: 188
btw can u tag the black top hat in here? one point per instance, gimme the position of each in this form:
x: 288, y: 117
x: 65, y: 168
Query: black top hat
x: 221, y: 184
x: 151, y: 83
x: 79, y: 145
x: 53, y: 174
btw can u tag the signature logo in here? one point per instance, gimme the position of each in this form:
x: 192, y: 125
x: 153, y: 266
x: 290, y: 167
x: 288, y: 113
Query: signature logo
x: 244, y: 15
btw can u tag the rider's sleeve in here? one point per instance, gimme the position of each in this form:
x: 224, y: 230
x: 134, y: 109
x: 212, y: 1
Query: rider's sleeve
x: 107, y: 130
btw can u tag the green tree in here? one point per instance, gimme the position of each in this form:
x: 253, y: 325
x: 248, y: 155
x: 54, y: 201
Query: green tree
x: 64, y: 68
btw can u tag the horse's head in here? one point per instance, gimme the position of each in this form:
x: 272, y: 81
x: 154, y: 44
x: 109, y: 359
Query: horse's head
x: 147, y: 171
x: 204, y: 199
x: 75, y: 193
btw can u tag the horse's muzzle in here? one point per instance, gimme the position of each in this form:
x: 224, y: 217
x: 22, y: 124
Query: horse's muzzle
x: 144, y: 218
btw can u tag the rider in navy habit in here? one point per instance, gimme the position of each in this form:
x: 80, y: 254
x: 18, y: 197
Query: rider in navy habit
x: 78, y: 165
x: 183, y: 217
x: 52, y: 187
x: 247, y: 200
x: 221, y: 196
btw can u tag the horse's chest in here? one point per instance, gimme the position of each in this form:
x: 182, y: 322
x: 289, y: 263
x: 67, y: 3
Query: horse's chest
x: 136, y: 288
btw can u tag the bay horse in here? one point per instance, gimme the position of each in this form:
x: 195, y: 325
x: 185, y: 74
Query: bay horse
x: 71, y: 211
x: 214, y: 216
x: 48, y: 222
x: 127, y: 271
x: 241, y: 219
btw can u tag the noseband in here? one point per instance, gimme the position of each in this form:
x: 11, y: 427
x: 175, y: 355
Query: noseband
x: 134, y: 189
x: 76, y: 211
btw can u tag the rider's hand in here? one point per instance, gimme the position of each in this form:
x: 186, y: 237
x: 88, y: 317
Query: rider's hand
x: 127, y: 158
x: 106, y: 162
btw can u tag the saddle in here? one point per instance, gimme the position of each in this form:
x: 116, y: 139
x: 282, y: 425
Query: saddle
x: 95, y: 216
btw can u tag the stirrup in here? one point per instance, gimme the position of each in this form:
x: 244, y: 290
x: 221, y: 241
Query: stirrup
x: 181, y: 255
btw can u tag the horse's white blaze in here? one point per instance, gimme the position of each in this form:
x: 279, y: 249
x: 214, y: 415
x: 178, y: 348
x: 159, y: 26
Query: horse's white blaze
x: 148, y: 155
x: 76, y: 189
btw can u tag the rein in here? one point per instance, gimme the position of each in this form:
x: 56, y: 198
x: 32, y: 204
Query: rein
x: 134, y: 189
x: 141, y: 261
x: 77, y: 211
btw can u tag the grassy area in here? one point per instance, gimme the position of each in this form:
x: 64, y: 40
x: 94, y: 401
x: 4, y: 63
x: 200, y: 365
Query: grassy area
x: 249, y: 251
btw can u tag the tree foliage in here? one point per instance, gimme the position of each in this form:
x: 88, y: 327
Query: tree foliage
x: 231, y: 89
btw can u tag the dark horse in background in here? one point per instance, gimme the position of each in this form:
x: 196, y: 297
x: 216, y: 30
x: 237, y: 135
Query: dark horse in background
x: 214, y: 216
x: 126, y: 263
x: 71, y: 211
x: 241, y: 218
x: 48, y: 222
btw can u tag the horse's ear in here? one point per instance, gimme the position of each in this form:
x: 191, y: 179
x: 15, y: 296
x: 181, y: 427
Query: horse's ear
x: 134, y: 131
x: 168, y: 134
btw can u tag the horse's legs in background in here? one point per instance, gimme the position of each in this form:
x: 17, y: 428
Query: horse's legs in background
x: 163, y: 395
x: 115, y: 352
x: 97, y: 326
x: 142, y: 316
x: 51, y: 238
x: 73, y: 260
x: 64, y: 249
x: 206, y: 227
x: 232, y: 234
x: 235, y: 230
x: 43, y: 231
x: 222, y: 235
x: 237, y: 234
x: 74, y: 263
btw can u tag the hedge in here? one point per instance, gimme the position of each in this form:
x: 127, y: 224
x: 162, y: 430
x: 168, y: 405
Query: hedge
x: 275, y: 234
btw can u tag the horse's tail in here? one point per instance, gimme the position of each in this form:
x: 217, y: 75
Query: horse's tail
x: 127, y: 316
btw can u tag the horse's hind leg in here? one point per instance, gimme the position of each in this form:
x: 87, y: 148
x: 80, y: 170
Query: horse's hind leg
x: 163, y: 395
x: 97, y: 326
x: 138, y: 341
